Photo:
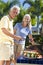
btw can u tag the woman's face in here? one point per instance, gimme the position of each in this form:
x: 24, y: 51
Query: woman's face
x: 13, y: 13
x: 26, y: 21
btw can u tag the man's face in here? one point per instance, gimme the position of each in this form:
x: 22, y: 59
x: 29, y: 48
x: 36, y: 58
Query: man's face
x: 14, y: 13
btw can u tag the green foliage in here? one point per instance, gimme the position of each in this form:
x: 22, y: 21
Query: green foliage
x: 22, y: 13
x: 33, y: 20
x: 41, y: 19
x: 4, y: 7
x: 20, y: 16
x: 36, y: 8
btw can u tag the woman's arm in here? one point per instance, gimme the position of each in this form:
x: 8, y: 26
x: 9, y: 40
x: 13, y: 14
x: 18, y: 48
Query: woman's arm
x: 31, y: 39
x: 5, y: 31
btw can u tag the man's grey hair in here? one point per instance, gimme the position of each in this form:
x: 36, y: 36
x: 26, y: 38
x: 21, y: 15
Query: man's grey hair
x: 15, y: 6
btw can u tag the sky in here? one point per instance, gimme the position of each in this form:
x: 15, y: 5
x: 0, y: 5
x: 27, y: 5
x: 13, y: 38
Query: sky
x: 21, y: 1
x: 26, y: 5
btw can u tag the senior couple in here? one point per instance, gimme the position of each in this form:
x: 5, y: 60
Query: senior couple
x: 12, y: 40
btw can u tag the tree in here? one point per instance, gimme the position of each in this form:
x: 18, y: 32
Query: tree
x: 4, y: 7
x: 41, y: 21
x: 20, y: 16
x: 36, y: 8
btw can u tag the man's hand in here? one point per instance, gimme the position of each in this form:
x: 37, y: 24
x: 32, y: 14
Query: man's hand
x: 18, y: 38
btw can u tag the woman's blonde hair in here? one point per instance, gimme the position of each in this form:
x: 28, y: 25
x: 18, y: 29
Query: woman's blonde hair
x: 29, y: 25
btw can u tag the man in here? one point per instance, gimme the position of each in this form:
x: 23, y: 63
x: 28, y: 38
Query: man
x: 7, y: 36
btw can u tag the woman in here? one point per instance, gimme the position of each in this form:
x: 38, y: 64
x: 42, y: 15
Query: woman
x: 7, y: 36
x: 22, y: 29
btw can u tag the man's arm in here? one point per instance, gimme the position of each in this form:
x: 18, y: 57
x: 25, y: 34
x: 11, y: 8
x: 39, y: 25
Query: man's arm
x: 14, y: 31
x: 5, y: 31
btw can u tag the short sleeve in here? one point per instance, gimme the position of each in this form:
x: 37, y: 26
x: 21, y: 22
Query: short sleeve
x: 16, y: 26
x: 4, y: 21
x: 30, y: 31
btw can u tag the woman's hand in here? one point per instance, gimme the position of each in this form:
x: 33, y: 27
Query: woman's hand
x: 31, y: 39
x: 33, y: 43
